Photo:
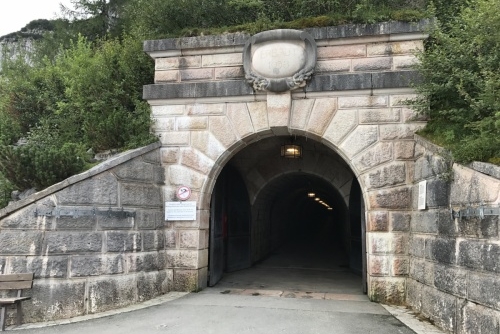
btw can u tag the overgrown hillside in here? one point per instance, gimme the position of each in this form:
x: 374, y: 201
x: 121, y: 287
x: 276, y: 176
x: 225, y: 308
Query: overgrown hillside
x: 77, y: 89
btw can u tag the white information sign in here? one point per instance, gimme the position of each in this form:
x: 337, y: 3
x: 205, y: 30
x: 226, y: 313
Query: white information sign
x: 180, y: 210
x: 422, y: 194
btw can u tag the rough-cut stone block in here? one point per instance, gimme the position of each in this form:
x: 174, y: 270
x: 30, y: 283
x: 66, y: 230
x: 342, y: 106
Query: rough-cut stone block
x: 206, y: 143
x: 177, y: 62
x: 399, y: 131
x: 43, y: 267
x: 168, y: 110
x: 20, y: 243
x: 216, y: 60
x: 478, y: 319
x: 76, y: 223
x: 110, y: 293
x: 400, y: 266
x: 185, y: 280
x: 153, y: 240
x: 439, y: 307
x: 337, y: 65
x: 240, y: 118
x: 387, y: 176
x: 300, y: 112
x: 3, y: 261
x: 178, y: 138
x: 180, y: 175
x: 441, y: 250
x: 101, y: 189
x: 361, y: 138
x: 349, y: 102
x: 374, y: 156
x: 140, y: 195
x: 196, y: 160
x: 473, y: 187
x: 151, y: 285
x: 430, y: 165
x: 225, y: 73
x: 394, y: 48
x: 170, y: 155
x: 123, y: 241
x: 182, y: 259
x: 414, y: 294
x: 387, y: 290
x: 404, y: 149
x: 222, y: 129
x: 72, y: 242
x: 192, y: 123
x: 138, y: 170
x: 372, y: 64
x: 141, y: 262
x: 258, y: 114
x: 402, y: 100
x: 166, y: 76
x: 278, y: 109
x: 437, y: 193
x: 53, y: 300
x: 170, y: 239
x: 115, y: 223
x: 82, y: 266
x: 207, y: 109
x: 483, y: 289
x: 422, y: 271
x: 396, y: 198
x: 425, y: 222
x: 26, y: 220
x: 148, y: 219
x: 417, y: 246
x: 321, y: 115
x: 190, y: 239
x: 342, y: 51
x: 378, y: 265
x: 367, y: 116
x: 491, y: 258
x: 387, y: 243
x: 470, y: 254
x: 400, y: 221
x: 404, y: 62
x: 450, y: 279
x: 197, y: 74
x: 343, y: 122
x: 378, y: 221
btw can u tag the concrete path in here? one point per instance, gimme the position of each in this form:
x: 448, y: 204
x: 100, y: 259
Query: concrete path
x: 223, y: 313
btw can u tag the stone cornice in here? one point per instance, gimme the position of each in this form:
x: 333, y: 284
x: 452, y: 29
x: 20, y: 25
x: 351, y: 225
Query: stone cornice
x: 176, y: 45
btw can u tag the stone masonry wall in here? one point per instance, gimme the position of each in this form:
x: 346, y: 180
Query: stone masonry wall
x: 454, y: 263
x: 95, y: 241
x: 205, y: 112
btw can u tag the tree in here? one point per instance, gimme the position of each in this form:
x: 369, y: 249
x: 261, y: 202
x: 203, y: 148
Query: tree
x: 461, y: 87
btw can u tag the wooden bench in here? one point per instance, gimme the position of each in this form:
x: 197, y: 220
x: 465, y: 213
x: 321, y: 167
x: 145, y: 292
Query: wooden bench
x: 14, y: 282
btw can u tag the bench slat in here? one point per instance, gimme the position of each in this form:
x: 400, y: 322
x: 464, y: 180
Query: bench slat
x: 12, y: 300
x: 16, y: 277
x: 16, y: 285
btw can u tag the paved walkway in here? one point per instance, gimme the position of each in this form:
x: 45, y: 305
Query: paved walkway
x: 294, y: 291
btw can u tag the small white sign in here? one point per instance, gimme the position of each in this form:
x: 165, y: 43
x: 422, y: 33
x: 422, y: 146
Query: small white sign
x: 180, y: 210
x: 422, y: 194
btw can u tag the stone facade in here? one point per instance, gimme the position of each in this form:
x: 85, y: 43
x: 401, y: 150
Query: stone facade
x: 205, y: 113
x: 454, y: 262
x: 95, y: 241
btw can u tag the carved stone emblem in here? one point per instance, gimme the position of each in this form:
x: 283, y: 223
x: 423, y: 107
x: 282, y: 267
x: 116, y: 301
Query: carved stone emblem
x: 279, y: 60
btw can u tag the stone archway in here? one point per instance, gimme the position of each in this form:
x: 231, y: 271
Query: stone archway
x: 354, y: 105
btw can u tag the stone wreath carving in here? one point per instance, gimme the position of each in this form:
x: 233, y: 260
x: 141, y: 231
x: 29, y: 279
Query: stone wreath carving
x: 279, y: 60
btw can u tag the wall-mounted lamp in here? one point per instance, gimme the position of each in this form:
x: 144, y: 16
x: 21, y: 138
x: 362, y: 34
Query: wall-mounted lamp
x: 311, y: 194
x: 291, y: 151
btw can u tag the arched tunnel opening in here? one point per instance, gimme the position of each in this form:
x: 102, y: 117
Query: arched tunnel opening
x: 297, y: 224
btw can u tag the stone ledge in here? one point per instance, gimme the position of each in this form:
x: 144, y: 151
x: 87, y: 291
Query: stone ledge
x: 239, y: 39
x: 319, y: 83
x: 432, y: 147
x: 486, y: 168
x: 108, y: 164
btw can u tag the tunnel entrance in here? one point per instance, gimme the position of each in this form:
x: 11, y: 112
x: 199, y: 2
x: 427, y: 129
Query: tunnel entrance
x: 294, y: 222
